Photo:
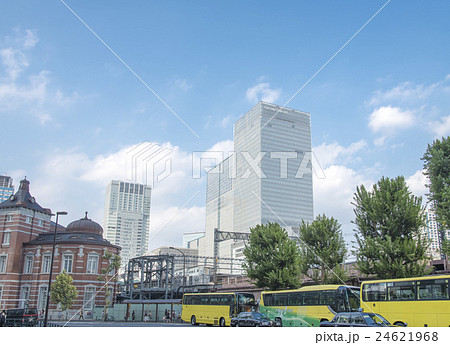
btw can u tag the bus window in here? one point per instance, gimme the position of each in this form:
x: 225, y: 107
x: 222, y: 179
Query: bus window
x: 327, y: 297
x: 374, y: 292
x: 280, y: 299
x: 268, y: 299
x: 295, y: 298
x: 401, y: 291
x: 187, y: 299
x: 432, y: 289
x: 311, y: 298
x: 203, y: 300
x: 194, y: 300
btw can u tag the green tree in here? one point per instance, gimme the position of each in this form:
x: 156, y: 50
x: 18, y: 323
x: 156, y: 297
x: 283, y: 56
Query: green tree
x: 273, y: 259
x: 323, y: 250
x: 437, y: 169
x: 63, y: 292
x: 388, y: 220
x: 113, y: 267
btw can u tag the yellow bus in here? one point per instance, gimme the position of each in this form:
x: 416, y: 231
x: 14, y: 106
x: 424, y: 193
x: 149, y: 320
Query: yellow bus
x: 215, y: 308
x: 309, y: 305
x: 417, y: 302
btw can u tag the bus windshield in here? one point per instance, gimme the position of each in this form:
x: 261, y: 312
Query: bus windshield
x: 246, y: 299
x: 353, y: 297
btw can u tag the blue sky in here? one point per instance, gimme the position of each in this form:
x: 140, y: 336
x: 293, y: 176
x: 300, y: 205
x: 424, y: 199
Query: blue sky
x: 70, y: 110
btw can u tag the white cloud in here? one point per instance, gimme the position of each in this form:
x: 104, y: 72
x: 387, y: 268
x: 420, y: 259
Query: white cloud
x: 29, y: 94
x: 30, y: 39
x: 328, y: 154
x: 224, y: 146
x: 388, y: 119
x: 225, y: 122
x: 14, y: 62
x: 408, y: 92
x: 74, y: 182
x: 334, y: 194
x: 441, y: 128
x: 169, y: 224
x: 183, y: 84
x: 380, y: 141
x: 262, y: 92
x: 416, y: 184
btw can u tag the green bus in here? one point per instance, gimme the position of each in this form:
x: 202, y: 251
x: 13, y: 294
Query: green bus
x: 309, y: 305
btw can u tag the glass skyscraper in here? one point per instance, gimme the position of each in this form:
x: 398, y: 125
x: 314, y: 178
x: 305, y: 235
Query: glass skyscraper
x: 6, y: 188
x: 267, y: 179
x: 127, y: 218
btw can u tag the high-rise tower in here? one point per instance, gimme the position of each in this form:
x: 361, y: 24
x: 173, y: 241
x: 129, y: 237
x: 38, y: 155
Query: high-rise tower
x: 6, y: 188
x: 267, y: 179
x: 127, y: 217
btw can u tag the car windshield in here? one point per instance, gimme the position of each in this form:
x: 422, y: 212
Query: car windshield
x: 260, y: 316
x: 373, y: 319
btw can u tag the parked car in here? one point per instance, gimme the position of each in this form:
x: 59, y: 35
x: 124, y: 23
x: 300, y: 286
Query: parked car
x: 251, y: 319
x: 17, y: 317
x: 357, y: 319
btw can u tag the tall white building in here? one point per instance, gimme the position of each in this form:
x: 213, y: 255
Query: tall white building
x: 127, y: 217
x: 432, y: 231
x: 267, y: 179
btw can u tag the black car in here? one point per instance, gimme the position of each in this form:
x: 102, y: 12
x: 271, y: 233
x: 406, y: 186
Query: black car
x: 357, y: 319
x: 22, y: 317
x: 251, y: 319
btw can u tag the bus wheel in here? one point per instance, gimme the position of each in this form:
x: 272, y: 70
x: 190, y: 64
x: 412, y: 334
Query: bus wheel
x: 222, y: 322
x: 279, y: 322
x: 193, y: 321
x: 400, y: 324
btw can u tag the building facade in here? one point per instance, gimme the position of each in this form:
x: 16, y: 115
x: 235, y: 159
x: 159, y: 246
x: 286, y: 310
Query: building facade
x: 127, y: 218
x: 26, y: 251
x: 433, y: 232
x: 6, y: 188
x: 267, y: 179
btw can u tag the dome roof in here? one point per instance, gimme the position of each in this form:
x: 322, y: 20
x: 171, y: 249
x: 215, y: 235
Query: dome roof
x: 85, y: 225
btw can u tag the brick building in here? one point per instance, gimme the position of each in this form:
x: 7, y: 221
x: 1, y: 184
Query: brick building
x: 26, y: 235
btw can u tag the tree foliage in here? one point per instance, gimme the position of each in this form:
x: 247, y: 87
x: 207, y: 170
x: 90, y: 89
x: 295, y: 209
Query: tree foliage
x: 323, y: 250
x: 113, y: 267
x: 273, y: 259
x: 63, y: 292
x: 437, y: 169
x: 388, y: 220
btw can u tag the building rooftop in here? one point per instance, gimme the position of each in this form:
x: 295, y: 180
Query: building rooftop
x: 23, y: 199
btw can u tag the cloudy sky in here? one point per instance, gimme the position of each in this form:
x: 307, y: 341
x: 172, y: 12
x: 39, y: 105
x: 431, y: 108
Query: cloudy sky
x: 95, y: 91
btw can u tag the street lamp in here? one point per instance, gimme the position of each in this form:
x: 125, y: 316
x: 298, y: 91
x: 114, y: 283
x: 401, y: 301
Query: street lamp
x: 184, y: 264
x: 62, y: 213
